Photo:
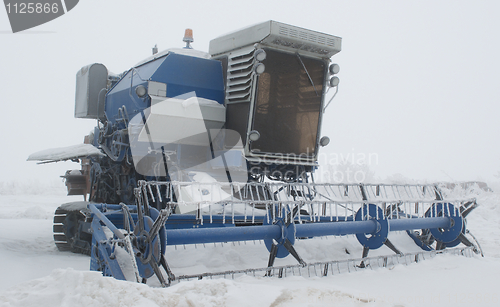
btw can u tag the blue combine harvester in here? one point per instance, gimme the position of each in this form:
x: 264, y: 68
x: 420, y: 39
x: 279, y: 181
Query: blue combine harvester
x: 193, y: 147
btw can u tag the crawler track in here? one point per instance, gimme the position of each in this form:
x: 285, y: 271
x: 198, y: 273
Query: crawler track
x: 71, y: 228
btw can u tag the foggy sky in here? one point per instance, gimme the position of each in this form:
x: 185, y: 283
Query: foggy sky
x: 419, y: 80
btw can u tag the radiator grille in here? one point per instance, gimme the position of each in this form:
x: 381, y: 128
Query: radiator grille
x: 239, y: 76
x: 312, y: 37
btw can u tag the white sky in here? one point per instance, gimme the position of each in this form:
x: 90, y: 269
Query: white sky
x: 419, y: 80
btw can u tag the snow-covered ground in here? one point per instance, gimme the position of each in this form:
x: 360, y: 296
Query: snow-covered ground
x: 35, y: 273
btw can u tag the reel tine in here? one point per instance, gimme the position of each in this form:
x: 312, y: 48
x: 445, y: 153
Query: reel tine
x: 389, y: 244
x: 272, y: 257
x: 289, y: 246
x: 366, y: 249
x: 476, y: 247
x: 464, y: 240
x: 158, y: 273
x: 465, y: 209
x: 165, y: 265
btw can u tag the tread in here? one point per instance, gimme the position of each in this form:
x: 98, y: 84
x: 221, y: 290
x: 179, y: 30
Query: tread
x: 59, y: 219
x: 64, y: 247
x: 60, y: 238
x: 58, y: 228
x: 76, y: 241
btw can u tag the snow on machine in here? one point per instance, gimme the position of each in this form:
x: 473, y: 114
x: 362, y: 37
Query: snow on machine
x: 194, y: 148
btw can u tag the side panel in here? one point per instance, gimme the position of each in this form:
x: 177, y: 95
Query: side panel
x: 91, y: 82
x: 182, y: 75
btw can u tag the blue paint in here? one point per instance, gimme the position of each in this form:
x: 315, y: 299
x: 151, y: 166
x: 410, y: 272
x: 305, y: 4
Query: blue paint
x: 287, y: 231
x: 377, y: 238
x: 446, y: 234
x: 182, y: 74
x: 309, y: 230
x: 187, y: 229
x: 222, y: 234
x: 419, y: 223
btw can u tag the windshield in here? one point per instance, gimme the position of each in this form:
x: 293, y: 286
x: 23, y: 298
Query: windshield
x: 288, y: 105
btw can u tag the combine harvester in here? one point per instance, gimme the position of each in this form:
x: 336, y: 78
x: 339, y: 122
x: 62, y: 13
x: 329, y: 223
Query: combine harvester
x: 194, y: 148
